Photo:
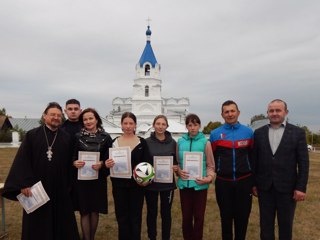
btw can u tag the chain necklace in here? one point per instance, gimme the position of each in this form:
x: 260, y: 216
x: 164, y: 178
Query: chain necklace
x: 49, y: 151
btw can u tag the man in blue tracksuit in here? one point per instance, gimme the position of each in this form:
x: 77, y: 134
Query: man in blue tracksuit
x: 231, y: 144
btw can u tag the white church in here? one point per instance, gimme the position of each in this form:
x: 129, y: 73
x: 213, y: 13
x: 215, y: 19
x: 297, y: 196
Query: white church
x: 147, y: 101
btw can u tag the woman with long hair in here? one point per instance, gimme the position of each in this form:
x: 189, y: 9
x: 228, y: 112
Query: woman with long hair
x: 127, y: 194
x: 160, y: 143
x: 90, y: 196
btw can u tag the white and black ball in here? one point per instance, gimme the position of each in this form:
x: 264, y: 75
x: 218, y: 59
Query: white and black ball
x: 143, y: 173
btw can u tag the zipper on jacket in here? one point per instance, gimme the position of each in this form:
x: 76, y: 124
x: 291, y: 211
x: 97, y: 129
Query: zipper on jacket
x: 233, y: 155
x: 219, y: 163
x: 190, y: 151
x: 249, y: 166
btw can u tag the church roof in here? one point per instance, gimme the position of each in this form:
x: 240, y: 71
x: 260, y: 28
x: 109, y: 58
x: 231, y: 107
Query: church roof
x: 175, y: 127
x: 110, y: 127
x: 148, y: 55
x: 25, y: 124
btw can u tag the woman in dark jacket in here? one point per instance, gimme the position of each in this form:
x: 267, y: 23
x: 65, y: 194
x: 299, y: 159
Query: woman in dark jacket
x: 90, y: 196
x: 160, y: 143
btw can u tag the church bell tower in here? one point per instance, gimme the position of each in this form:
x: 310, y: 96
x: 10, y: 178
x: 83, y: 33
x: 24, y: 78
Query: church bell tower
x: 146, y: 98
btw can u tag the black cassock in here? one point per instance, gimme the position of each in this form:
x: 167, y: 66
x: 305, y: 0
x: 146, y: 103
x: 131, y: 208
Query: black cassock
x: 55, y: 220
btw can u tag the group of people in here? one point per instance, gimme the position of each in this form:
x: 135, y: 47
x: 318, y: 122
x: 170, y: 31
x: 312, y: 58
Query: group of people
x: 271, y: 163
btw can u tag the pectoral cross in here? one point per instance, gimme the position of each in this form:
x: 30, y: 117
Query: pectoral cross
x: 49, y: 153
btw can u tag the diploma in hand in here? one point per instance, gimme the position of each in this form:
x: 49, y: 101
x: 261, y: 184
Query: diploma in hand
x: 193, y: 164
x: 39, y: 197
x: 163, y: 169
x: 122, y: 158
x: 87, y: 172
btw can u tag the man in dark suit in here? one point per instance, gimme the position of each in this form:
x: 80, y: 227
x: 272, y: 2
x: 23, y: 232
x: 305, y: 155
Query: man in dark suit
x: 281, y: 167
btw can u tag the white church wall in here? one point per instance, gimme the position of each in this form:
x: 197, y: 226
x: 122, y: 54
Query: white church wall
x: 147, y: 107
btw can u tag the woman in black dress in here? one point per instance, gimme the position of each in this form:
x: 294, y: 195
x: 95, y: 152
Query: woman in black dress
x: 90, y: 196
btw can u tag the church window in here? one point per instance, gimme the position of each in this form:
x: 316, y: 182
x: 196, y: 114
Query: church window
x: 146, y: 91
x: 147, y: 70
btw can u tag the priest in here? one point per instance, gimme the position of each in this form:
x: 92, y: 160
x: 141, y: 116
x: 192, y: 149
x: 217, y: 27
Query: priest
x: 45, y: 155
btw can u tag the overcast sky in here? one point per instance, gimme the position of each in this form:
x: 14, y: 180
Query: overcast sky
x: 209, y: 51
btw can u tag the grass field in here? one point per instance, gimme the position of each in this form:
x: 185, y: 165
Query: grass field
x: 306, y: 227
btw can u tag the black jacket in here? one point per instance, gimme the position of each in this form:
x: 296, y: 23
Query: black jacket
x: 139, y: 154
x: 287, y: 170
x: 100, y: 143
x: 162, y: 148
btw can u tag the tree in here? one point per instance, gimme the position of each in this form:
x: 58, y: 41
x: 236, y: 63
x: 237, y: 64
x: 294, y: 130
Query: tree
x: 258, y: 117
x: 3, y: 112
x: 210, y: 126
x: 312, y: 138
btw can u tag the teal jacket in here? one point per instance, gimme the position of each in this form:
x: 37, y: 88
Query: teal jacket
x: 195, y: 144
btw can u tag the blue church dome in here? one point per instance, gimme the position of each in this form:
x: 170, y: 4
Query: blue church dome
x: 148, y: 32
x: 148, y: 55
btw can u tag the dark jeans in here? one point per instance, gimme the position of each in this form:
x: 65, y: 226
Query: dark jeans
x: 271, y: 204
x: 128, y: 203
x: 235, y: 200
x: 166, y: 198
x: 193, y: 206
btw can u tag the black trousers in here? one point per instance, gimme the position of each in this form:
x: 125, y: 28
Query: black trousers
x: 234, y: 200
x: 166, y: 198
x: 271, y: 204
x: 128, y: 203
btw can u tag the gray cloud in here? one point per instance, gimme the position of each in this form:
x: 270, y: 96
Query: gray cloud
x: 211, y: 51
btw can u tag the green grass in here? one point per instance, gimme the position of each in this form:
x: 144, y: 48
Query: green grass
x: 306, y: 227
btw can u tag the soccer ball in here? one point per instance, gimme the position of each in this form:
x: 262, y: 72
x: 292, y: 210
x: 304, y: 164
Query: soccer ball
x: 143, y: 173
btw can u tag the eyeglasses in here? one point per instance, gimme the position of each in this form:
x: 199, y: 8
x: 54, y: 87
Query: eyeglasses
x: 53, y: 115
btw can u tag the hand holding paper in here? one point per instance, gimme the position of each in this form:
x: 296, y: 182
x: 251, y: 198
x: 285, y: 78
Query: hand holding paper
x: 37, y: 197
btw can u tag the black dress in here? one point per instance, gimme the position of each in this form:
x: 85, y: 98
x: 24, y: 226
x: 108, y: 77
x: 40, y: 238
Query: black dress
x: 91, y: 195
x: 55, y: 220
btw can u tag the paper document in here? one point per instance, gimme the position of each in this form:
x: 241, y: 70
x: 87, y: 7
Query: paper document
x: 122, y: 158
x: 163, y: 169
x: 39, y: 197
x: 87, y: 172
x: 193, y: 164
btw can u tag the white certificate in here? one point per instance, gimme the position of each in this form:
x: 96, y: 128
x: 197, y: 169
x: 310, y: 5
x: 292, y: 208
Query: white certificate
x: 122, y: 158
x: 39, y: 197
x: 163, y: 169
x: 193, y: 164
x: 87, y: 172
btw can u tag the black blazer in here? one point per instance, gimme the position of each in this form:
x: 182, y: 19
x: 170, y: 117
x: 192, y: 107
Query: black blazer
x: 287, y: 170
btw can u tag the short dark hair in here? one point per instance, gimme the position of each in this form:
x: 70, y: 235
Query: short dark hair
x: 129, y: 115
x: 227, y: 103
x: 192, y: 118
x: 95, y: 113
x: 52, y: 105
x: 280, y: 100
x: 72, y: 101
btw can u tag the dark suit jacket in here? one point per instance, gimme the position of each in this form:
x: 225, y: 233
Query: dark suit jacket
x: 287, y: 170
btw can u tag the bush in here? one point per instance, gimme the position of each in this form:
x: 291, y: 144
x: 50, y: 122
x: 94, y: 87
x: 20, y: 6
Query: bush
x: 5, y: 136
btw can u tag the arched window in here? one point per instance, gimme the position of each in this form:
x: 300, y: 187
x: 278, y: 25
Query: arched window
x: 146, y: 91
x: 147, y: 70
